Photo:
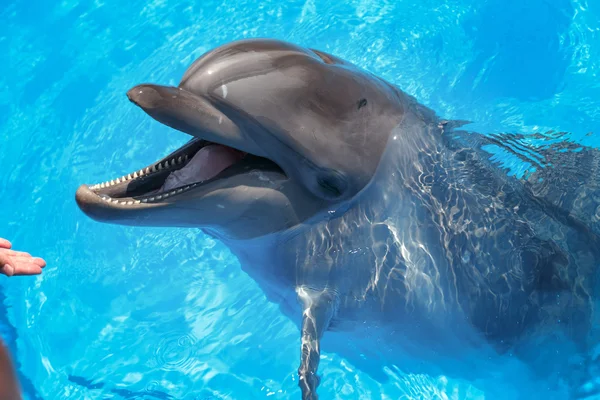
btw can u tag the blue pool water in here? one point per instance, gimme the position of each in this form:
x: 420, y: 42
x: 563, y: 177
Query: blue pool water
x: 129, y: 313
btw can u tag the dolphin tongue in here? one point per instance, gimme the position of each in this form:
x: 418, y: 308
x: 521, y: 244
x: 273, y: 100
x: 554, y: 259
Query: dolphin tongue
x: 206, y: 164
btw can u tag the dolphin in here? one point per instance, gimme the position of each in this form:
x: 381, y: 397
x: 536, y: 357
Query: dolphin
x: 353, y: 206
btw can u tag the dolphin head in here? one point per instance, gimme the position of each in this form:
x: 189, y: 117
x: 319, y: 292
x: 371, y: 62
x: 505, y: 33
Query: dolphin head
x: 280, y: 133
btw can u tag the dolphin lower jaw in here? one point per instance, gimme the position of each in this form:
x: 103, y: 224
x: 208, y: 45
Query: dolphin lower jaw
x: 146, y: 189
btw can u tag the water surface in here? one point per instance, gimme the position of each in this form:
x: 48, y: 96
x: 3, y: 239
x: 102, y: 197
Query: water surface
x: 129, y: 313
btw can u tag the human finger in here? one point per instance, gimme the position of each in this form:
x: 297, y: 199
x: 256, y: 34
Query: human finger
x: 39, y: 261
x: 27, y: 257
x: 22, y: 268
x: 14, y: 253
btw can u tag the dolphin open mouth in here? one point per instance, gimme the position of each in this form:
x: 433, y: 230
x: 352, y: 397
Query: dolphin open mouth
x: 195, y: 164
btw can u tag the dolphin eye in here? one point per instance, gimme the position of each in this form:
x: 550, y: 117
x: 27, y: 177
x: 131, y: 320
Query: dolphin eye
x: 332, y: 183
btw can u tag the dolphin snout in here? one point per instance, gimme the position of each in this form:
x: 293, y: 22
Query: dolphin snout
x: 145, y: 96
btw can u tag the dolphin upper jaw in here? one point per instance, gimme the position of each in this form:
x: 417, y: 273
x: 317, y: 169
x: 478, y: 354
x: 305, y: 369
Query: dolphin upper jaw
x: 192, y: 114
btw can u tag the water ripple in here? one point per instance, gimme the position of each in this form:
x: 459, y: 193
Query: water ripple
x: 175, y: 352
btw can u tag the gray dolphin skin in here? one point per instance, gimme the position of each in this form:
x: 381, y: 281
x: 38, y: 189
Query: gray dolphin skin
x: 359, y: 210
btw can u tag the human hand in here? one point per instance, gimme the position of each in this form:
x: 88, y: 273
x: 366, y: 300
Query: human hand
x: 18, y: 262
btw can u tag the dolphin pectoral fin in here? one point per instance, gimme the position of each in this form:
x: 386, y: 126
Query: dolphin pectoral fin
x: 318, y: 310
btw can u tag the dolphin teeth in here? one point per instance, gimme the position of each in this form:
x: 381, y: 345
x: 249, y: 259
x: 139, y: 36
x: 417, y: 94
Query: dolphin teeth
x: 165, y: 195
x: 137, y: 202
x: 143, y: 200
x: 185, y: 157
x: 151, y: 199
x: 160, y: 167
x: 179, y: 160
x: 118, y: 180
x: 129, y: 176
x: 130, y: 203
x: 111, y: 182
x: 135, y: 175
x: 173, y: 162
x: 167, y: 164
x: 179, y: 191
x: 159, y: 197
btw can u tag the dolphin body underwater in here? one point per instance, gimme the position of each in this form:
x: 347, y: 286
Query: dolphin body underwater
x: 355, y: 207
